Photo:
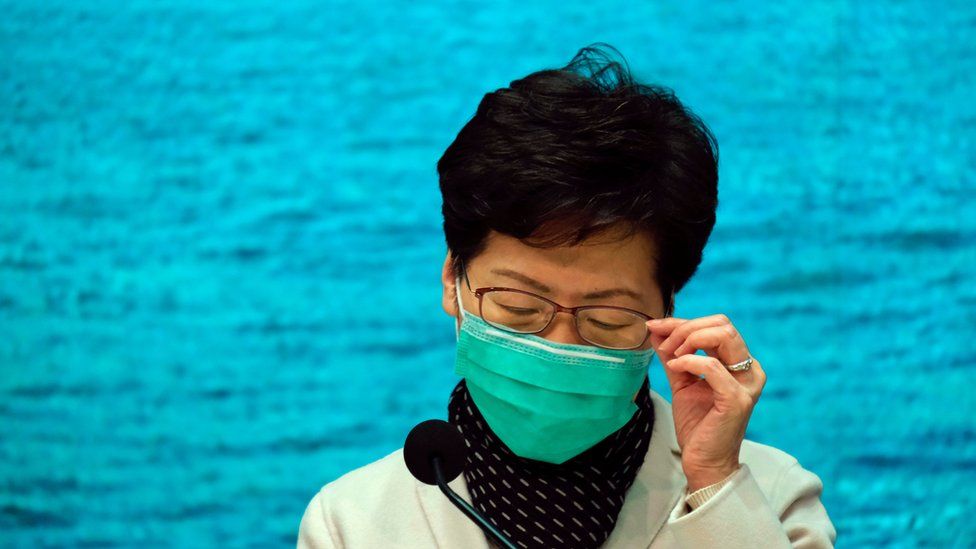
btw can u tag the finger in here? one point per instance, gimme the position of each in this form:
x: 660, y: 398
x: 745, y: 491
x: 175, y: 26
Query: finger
x: 753, y: 379
x: 660, y: 332
x: 678, y: 378
x: 678, y: 335
x: 724, y: 340
x: 758, y: 378
x: 664, y: 325
x: 661, y: 328
x: 728, y: 391
x: 725, y: 344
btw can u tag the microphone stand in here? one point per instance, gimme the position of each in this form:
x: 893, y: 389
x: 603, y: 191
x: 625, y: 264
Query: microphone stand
x: 466, y: 508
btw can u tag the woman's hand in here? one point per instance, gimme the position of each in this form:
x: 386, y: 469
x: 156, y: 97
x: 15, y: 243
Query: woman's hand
x: 710, y: 414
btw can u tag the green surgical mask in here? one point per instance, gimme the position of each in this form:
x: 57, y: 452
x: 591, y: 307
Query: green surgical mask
x: 546, y: 401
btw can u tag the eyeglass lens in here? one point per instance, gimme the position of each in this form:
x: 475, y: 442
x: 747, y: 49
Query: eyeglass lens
x: 602, y: 326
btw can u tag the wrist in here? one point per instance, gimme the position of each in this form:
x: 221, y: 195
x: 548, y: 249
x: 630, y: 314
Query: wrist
x: 702, y: 477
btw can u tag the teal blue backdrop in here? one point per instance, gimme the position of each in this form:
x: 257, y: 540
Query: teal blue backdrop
x: 220, y: 245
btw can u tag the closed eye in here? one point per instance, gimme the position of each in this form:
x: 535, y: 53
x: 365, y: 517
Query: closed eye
x: 605, y: 326
x: 520, y: 310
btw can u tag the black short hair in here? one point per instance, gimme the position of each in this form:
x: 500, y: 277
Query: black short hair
x: 563, y: 154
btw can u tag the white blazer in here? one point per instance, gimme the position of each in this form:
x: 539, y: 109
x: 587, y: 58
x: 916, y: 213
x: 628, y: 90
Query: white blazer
x: 770, y: 502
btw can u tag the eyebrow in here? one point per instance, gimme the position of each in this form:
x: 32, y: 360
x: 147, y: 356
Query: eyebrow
x: 543, y: 288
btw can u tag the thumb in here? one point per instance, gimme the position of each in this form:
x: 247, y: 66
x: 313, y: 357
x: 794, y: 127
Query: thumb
x: 676, y: 379
x: 656, y: 341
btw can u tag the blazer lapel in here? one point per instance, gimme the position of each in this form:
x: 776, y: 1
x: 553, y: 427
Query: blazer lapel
x: 448, y: 524
x: 658, y: 487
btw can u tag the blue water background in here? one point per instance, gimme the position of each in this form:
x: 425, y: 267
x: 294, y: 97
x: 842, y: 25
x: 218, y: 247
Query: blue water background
x: 220, y: 246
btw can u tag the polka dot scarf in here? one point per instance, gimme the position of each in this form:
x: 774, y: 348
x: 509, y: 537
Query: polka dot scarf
x: 539, y: 504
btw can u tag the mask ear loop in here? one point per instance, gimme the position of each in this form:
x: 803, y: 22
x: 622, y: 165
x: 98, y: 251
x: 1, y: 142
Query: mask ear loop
x: 460, y: 306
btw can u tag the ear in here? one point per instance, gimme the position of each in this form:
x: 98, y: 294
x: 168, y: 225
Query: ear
x: 449, y: 296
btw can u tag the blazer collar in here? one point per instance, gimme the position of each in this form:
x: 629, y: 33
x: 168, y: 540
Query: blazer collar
x: 657, y: 488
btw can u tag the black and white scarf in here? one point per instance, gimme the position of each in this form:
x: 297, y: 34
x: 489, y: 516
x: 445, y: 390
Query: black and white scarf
x: 540, y: 504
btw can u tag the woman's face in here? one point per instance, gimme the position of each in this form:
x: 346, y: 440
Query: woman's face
x: 565, y: 275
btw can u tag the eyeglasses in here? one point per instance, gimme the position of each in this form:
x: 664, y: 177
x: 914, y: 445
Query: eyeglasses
x: 523, y: 312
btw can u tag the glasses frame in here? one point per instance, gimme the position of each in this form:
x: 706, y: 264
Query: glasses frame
x: 480, y: 293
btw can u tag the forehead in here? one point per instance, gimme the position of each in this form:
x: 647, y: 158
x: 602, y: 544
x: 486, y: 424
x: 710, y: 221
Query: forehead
x: 600, y: 262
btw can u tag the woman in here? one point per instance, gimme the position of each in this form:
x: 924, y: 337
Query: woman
x: 577, y: 203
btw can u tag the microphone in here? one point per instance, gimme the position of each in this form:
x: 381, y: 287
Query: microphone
x: 434, y: 454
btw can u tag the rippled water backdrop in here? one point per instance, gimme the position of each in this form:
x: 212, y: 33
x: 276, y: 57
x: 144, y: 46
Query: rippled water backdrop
x: 220, y: 246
